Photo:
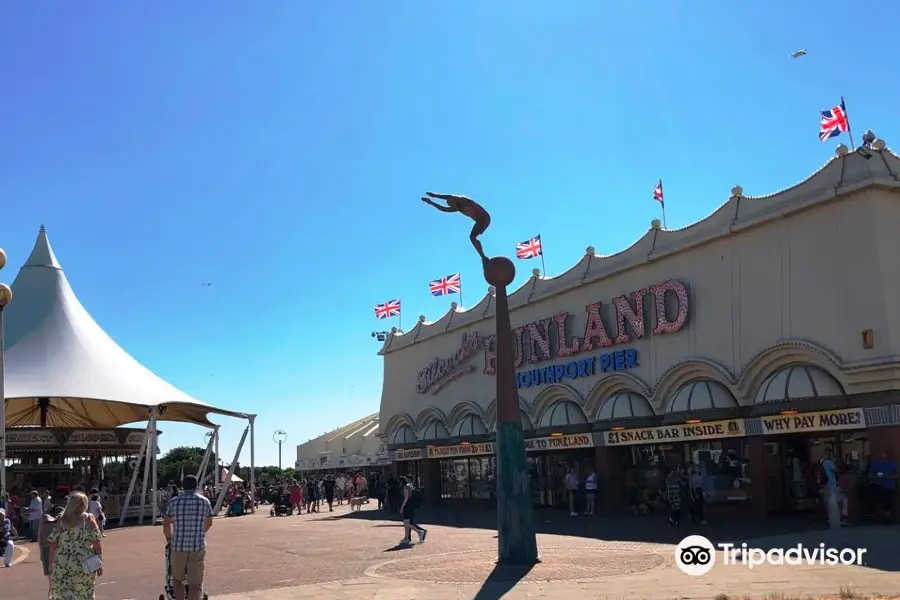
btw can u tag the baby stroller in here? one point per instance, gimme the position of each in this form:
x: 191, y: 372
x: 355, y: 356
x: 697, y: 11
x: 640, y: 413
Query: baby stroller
x: 169, y: 594
x: 282, y: 507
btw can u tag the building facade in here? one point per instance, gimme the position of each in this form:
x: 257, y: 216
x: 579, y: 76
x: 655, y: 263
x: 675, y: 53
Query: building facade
x: 744, y: 345
x: 356, y: 446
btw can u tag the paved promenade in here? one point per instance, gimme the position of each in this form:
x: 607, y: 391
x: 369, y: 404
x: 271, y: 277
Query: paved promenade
x: 354, y: 556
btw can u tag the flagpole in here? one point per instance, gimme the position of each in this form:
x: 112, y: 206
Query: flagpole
x: 460, y: 294
x: 662, y: 204
x: 849, y: 131
x: 543, y: 264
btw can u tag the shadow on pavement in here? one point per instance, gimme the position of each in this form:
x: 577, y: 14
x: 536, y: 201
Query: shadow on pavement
x: 767, y: 533
x: 398, y: 548
x: 501, y: 580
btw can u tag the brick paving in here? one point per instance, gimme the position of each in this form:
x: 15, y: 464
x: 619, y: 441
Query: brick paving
x: 338, y: 555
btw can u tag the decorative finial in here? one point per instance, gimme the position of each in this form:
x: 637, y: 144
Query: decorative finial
x: 422, y: 318
x: 536, y: 272
x: 590, y: 250
x: 879, y: 145
x: 841, y: 150
x: 43, y: 229
x: 453, y: 305
x: 655, y: 224
x: 492, y: 290
x: 394, y: 330
x: 869, y: 137
x: 737, y: 192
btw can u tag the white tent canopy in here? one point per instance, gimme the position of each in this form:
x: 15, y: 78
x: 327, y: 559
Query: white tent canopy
x: 234, y: 478
x: 64, y: 370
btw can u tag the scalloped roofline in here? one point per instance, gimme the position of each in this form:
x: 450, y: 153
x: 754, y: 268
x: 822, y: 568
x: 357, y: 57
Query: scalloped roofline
x: 845, y: 174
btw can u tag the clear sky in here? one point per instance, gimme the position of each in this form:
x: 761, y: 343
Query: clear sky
x: 278, y: 150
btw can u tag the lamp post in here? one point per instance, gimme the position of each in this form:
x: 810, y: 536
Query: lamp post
x: 279, y: 437
x: 5, y: 298
x: 516, y: 540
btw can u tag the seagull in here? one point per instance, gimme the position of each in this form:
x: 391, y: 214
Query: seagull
x: 799, y: 53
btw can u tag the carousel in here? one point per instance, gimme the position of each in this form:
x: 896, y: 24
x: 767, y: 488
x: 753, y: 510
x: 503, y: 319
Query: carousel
x: 70, y: 394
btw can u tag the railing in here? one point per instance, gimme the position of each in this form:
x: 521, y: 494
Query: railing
x: 114, y: 503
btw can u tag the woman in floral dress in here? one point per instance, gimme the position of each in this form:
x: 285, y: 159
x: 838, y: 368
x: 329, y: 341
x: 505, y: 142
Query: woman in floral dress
x: 74, y: 540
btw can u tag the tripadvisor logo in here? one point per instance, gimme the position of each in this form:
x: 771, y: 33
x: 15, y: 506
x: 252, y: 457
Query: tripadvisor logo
x: 695, y: 555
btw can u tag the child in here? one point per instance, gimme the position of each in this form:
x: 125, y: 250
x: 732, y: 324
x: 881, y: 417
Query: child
x: 96, y: 509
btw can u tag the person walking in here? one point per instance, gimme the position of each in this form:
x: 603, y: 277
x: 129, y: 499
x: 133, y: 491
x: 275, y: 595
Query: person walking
x: 328, y: 488
x: 412, y: 500
x: 7, y: 533
x: 590, y: 492
x: 35, y: 514
x: 572, y: 484
x: 185, y: 524
x: 380, y: 491
x: 76, y: 556
x: 48, y: 524
x: 830, y: 489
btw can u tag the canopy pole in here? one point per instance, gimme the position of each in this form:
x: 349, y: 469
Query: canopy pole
x: 252, y: 465
x: 134, y: 476
x: 216, y: 478
x: 237, y: 453
x: 204, y: 464
x: 151, y: 445
x: 155, y: 475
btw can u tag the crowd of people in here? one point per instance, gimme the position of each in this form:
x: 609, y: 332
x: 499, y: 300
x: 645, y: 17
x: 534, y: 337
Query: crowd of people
x: 68, y: 526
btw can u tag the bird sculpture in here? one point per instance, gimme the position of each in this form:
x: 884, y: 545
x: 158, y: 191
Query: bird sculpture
x: 798, y: 54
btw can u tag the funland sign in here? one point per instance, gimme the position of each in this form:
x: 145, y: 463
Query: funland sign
x: 549, y: 340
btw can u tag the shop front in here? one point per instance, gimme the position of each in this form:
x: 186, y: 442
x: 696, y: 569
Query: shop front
x: 717, y: 450
x: 794, y: 445
x: 409, y: 463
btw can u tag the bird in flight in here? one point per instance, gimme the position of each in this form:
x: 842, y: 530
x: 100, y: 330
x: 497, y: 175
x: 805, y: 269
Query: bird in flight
x: 207, y: 284
x: 799, y: 53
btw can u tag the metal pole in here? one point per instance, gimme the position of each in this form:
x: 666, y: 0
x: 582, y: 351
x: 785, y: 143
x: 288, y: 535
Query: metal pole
x: 237, y: 454
x: 155, y: 474
x: 253, y: 465
x: 134, y: 477
x: 279, y: 456
x: 151, y: 444
x: 218, y: 477
x: 2, y: 411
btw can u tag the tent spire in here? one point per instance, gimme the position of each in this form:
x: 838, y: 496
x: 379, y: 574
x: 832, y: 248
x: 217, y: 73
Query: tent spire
x: 42, y: 254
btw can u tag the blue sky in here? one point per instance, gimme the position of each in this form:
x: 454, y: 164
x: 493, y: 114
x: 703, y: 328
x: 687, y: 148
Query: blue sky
x: 279, y: 150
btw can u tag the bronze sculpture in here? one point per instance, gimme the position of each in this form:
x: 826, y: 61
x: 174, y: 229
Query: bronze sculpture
x: 468, y: 207
x: 516, y: 540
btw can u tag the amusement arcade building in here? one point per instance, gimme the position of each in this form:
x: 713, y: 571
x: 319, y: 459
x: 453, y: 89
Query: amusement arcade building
x: 745, y: 344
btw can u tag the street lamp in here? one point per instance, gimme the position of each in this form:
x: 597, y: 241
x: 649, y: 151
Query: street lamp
x: 381, y: 336
x: 5, y: 298
x: 279, y: 437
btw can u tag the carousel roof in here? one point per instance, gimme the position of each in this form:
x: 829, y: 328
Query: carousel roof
x: 55, y: 350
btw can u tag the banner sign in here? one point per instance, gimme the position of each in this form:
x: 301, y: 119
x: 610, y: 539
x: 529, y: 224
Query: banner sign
x: 562, y: 442
x: 676, y: 433
x: 461, y: 450
x: 830, y: 420
x: 403, y: 455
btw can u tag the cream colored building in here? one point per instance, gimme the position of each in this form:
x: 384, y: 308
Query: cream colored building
x: 715, y: 338
x: 355, y: 445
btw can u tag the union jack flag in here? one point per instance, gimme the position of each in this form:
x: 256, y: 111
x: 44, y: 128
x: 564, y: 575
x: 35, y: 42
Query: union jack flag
x: 451, y: 284
x: 391, y: 308
x: 658, y: 193
x: 834, y: 122
x: 529, y: 248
